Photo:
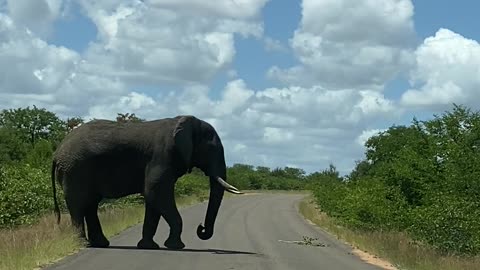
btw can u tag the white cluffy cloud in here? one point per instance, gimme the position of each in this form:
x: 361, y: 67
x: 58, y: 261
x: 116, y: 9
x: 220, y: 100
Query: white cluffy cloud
x: 447, y: 71
x: 32, y: 70
x: 36, y: 15
x: 243, y: 9
x: 366, y: 134
x: 159, y: 41
x: 343, y: 43
x: 139, y: 43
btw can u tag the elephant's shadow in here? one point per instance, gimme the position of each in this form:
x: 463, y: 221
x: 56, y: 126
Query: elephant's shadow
x: 208, y: 250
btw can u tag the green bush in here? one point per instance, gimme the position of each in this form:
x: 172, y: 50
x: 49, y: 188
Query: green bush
x: 25, y: 193
x: 450, y: 224
x: 191, y: 184
x: 371, y: 205
x: 40, y: 156
x: 12, y: 149
x: 246, y: 177
x: 421, y: 179
x: 329, y: 193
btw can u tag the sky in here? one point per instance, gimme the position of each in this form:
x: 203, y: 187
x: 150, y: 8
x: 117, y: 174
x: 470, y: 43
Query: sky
x: 285, y: 83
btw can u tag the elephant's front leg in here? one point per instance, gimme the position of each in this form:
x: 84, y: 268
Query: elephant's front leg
x: 160, y: 201
x: 150, y: 224
x: 172, y: 217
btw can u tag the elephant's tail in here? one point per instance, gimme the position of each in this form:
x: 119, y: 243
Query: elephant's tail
x: 57, y: 209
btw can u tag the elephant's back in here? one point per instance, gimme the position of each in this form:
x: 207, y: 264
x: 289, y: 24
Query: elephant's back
x: 100, y: 139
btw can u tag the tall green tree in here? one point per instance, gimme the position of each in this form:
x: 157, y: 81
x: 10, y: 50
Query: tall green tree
x: 456, y: 137
x: 32, y: 124
x: 361, y: 169
x: 12, y: 148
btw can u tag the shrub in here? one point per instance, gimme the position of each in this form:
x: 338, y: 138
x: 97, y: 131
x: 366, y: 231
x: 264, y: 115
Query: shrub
x: 191, y: 184
x: 450, y: 224
x: 370, y: 204
x: 422, y: 179
x: 25, y: 193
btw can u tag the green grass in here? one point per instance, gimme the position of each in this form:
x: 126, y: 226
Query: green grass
x: 395, y: 247
x: 29, y: 247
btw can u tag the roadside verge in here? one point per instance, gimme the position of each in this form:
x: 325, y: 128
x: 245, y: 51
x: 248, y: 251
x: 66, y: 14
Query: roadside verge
x: 389, y: 250
x: 309, y: 210
x: 35, y: 246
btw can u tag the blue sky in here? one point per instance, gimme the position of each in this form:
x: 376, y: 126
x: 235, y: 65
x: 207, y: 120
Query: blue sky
x: 286, y: 83
x: 74, y: 31
x: 461, y: 17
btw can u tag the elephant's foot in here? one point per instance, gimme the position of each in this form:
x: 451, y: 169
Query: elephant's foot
x: 174, y: 243
x: 99, y: 243
x: 147, y: 244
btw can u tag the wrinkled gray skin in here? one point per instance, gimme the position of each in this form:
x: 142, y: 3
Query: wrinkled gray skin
x: 106, y: 159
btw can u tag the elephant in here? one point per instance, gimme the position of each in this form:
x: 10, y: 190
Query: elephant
x: 106, y: 159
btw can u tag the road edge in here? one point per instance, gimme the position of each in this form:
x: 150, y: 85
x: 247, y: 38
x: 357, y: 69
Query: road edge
x: 361, y: 254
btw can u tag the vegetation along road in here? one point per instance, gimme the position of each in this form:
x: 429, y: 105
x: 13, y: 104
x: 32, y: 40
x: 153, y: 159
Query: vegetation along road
x: 259, y: 231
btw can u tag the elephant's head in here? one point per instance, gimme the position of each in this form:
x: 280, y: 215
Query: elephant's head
x: 200, y: 146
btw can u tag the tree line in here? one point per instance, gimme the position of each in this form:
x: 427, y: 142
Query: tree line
x: 422, y: 178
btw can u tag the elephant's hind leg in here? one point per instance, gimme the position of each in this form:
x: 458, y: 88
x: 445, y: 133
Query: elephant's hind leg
x: 77, y: 216
x: 78, y: 223
x: 96, y: 238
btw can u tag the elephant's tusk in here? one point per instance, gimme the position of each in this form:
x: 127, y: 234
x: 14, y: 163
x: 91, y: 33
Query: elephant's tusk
x: 227, y: 186
x: 234, y: 191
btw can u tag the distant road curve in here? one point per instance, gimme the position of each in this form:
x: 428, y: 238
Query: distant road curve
x: 260, y: 231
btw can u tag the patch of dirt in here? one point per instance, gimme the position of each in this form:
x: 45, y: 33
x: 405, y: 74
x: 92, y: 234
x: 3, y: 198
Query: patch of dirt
x: 372, y: 259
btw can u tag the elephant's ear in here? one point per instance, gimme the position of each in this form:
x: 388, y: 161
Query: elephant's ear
x: 183, y: 136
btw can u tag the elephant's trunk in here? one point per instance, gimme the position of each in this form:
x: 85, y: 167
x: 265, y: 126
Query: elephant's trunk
x: 216, y: 195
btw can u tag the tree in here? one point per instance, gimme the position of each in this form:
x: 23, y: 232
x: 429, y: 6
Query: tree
x: 362, y: 169
x: 384, y: 146
x: 74, y: 122
x: 242, y: 168
x: 11, y: 147
x: 332, y: 172
x: 33, y: 124
x: 455, y: 136
x: 294, y: 173
x: 263, y: 170
x: 127, y: 117
x: 40, y: 155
